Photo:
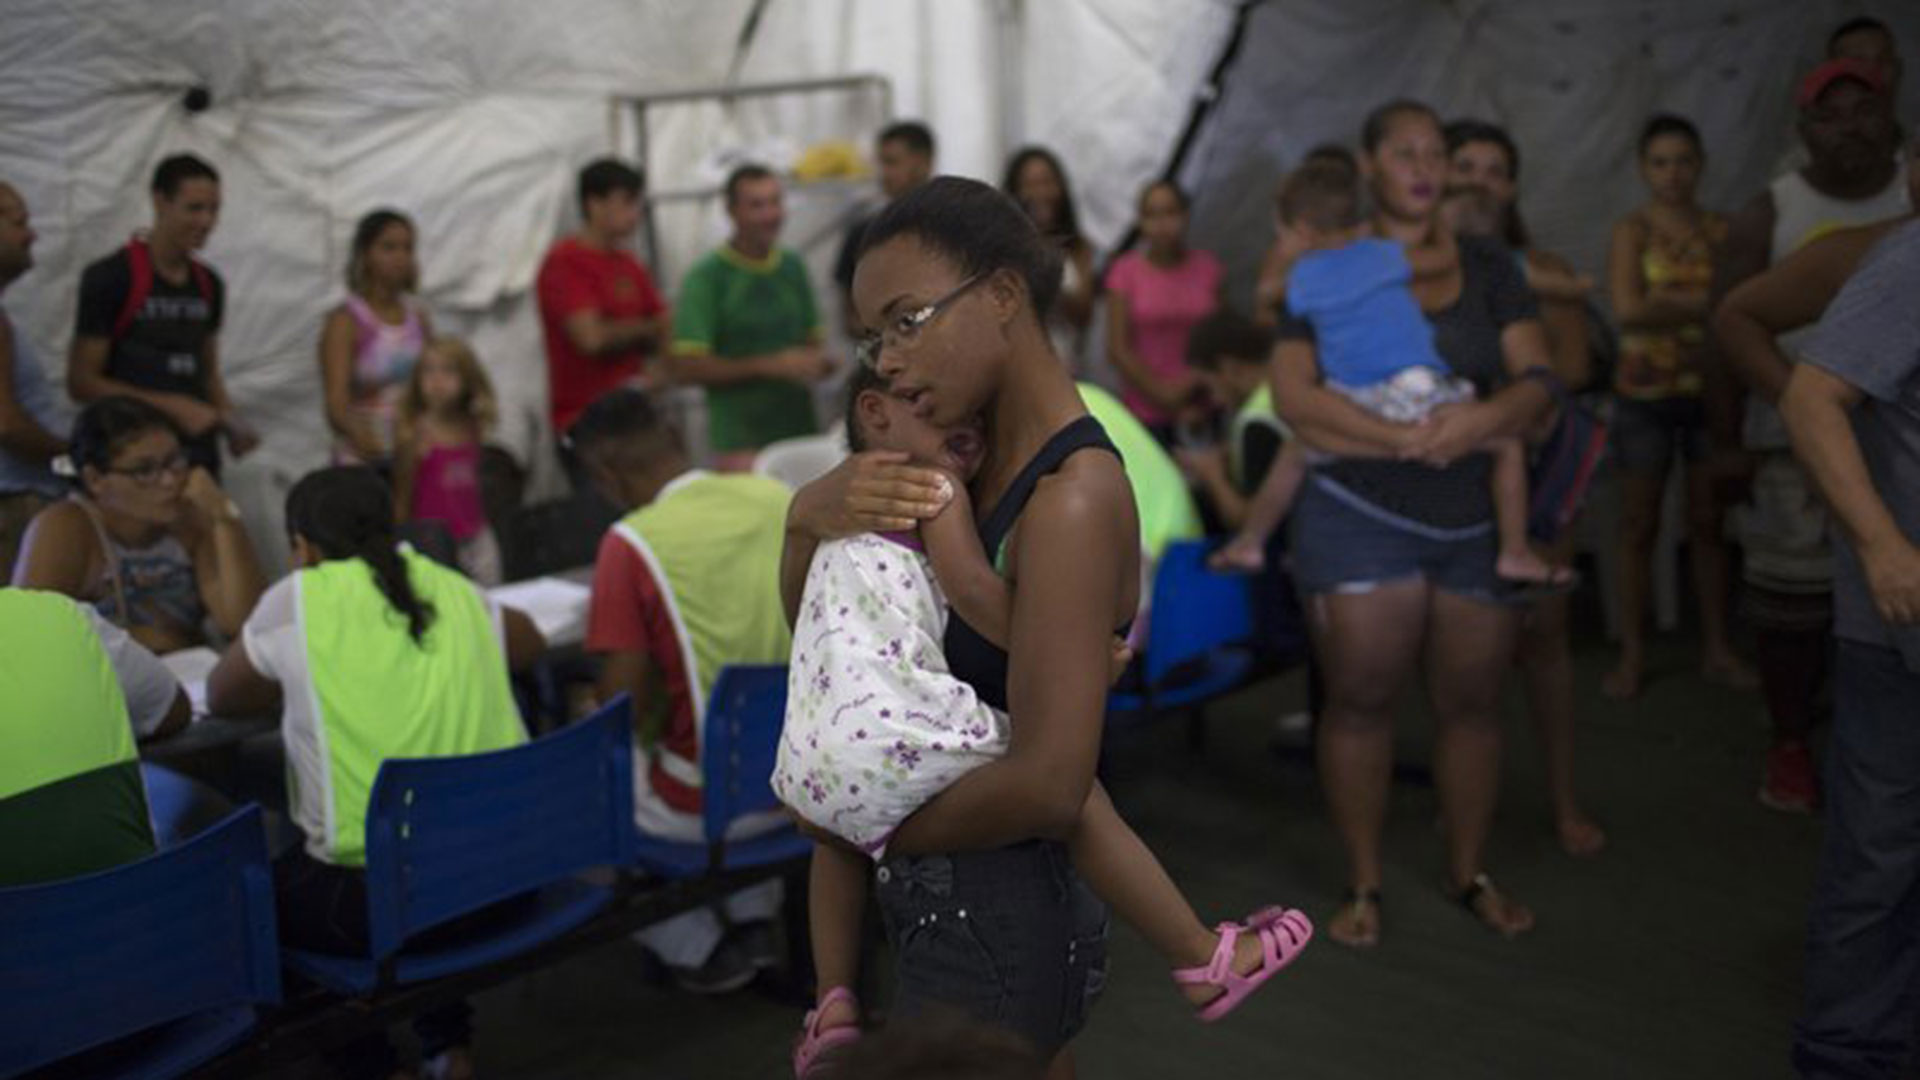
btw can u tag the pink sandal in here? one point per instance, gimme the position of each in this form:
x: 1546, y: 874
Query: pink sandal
x: 815, y: 1042
x: 1283, y: 934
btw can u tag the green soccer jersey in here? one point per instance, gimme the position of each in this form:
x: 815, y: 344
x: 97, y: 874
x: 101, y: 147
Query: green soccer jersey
x: 733, y: 306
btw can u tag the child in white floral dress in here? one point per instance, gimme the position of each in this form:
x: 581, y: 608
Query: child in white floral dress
x: 876, y: 725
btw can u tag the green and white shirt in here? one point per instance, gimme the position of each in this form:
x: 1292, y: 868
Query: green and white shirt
x: 357, y: 689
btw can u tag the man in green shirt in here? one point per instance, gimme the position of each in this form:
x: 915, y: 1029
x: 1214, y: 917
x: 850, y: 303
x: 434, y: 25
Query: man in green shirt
x: 745, y: 326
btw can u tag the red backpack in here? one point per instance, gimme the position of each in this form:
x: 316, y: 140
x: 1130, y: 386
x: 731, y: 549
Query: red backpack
x: 140, y: 272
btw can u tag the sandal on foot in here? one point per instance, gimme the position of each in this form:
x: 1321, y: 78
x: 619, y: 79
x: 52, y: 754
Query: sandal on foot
x: 815, y: 1042
x: 1282, y: 933
x: 1482, y: 890
x: 1355, y: 900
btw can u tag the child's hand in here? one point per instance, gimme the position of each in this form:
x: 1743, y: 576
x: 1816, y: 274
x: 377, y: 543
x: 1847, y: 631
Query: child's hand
x: 1118, y: 662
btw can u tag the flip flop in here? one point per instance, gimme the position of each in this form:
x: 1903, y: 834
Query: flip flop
x: 1560, y: 584
x: 1282, y: 933
x: 815, y: 1042
x: 1480, y: 887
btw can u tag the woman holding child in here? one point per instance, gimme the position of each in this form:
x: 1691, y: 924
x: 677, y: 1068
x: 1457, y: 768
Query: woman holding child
x: 981, y: 885
x: 1393, y: 538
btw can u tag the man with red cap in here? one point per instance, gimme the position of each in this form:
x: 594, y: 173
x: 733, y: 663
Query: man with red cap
x: 1852, y: 177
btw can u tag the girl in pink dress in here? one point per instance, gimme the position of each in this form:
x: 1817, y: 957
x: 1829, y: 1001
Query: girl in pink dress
x: 372, y: 340
x: 444, y: 416
x: 1155, y: 295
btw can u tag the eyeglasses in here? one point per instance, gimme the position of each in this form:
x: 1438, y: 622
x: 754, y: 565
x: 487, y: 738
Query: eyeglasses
x: 149, y: 473
x: 906, y: 326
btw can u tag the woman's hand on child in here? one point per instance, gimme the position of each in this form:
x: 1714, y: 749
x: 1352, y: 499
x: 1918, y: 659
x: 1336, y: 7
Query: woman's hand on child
x: 872, y: 491
x: 1450, y: 433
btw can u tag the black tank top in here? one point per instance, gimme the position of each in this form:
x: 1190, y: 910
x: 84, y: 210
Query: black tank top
x: 972, y: 658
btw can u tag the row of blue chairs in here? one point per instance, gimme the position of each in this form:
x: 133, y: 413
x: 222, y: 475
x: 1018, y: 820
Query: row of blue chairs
x: 161, y: 965
x: 181, y: 947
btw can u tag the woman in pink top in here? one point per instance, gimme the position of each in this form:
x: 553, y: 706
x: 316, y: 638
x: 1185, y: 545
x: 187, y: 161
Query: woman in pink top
x: 1155, y: 295
x: 372, y: 340
x: 444, y: 417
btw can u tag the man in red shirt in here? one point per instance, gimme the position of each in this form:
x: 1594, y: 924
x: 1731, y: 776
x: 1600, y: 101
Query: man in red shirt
x: 599, y: 309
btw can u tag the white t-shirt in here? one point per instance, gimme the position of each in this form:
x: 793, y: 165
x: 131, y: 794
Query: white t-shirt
x: 150, y: 689
x: 276, y: 650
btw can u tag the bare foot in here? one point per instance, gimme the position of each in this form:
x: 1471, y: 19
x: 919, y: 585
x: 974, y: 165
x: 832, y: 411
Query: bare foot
x: 1357, y: 922
x: 1506, y: 917
x: 1579, y: 836
x: 1726, y: 669
x: 1623, y: 683
x: 1525, y: 567
x: 1238, y: 558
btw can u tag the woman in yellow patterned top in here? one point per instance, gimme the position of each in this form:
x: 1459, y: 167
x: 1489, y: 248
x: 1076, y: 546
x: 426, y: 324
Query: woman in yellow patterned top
x: 1659, y: 273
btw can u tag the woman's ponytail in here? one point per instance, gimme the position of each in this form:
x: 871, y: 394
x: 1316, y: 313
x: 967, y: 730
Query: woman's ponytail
x: 347, y: 512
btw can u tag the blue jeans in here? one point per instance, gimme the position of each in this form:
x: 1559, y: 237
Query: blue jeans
x: 1863, y: 934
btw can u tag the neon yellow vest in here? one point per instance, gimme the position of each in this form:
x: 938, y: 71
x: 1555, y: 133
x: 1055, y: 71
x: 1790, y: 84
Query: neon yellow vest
x: 712, y: 543
x: 1166, y: 508
x: 71, y: 800
x: 378, y: 695
x: 1257, y: 409
x: 63, y: 712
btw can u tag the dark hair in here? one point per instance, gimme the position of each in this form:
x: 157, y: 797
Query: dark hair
x: 604, y: 176
x: 106, y: 425
x: 1321, y: 195
x: 1374, y: 129
x: 1333, y: 154
x: 912, y: 134
x: 364, y: 234
x: 346, y: 512
x: 1179, y: 193
x: 1067, y: 225
x: 980, y: 230
x: 940, y: 1045
x: 1226, y: 335
x: 1854, y: 26
x: 746, y: 174
x: 1669, y: 124
x: 862, y: 380
x: 622, y: 424
x: 1467, y: 132
x: 178, y: 169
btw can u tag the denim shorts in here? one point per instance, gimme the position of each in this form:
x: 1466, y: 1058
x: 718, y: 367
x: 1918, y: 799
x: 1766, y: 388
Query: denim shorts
x: 1648, y: 435
x: 1339, y: 546
x: 1011, y: 937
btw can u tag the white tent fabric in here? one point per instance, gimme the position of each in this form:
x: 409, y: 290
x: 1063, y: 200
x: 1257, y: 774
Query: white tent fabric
x: 472, y: 116
x: 1572, y: 80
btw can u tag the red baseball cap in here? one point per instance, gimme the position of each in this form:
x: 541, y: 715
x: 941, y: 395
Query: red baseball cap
x: 1845, y: 67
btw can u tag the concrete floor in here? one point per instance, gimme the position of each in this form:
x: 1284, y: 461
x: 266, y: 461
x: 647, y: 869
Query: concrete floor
x: 1673, y: 954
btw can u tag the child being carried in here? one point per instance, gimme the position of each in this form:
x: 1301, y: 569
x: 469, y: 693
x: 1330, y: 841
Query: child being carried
x: 877, y: 725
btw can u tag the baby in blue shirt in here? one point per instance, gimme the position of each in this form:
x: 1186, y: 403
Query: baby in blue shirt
x: 1375, y: 345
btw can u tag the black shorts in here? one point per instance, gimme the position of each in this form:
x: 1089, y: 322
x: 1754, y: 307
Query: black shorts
x: 1012, y: 938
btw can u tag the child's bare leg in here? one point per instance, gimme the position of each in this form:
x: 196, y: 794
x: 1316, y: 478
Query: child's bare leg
x: 1269, y: 506
x: 1121, y: 870
x: 836, y: 903
x: 1517, y: 561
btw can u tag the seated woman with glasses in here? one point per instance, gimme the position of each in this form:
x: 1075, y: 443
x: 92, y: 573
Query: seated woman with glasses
x: 153, y: 544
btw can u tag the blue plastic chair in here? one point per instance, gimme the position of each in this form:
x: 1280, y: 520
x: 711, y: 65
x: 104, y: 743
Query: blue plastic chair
x: 740, y: 737
x: 1198, y: 637
x: 177, y: 948
x: 449, y: 836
